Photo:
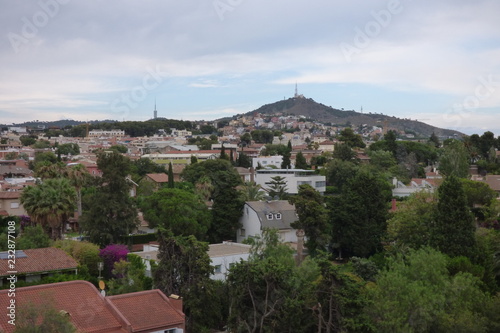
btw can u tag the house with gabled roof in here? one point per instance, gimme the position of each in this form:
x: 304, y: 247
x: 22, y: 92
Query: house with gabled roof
x: 33, y: 264
x: 89, y: 311
x: 260, y: 215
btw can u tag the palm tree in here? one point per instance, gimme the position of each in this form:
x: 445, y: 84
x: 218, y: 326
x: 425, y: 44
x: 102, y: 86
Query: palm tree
x: 50, y: 203
x: 205, y: 188
x: 78, y: 176
x: 46, y: 170
x: 252, y: 192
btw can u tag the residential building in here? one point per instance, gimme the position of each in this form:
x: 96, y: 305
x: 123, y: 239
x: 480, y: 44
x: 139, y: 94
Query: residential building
x: 106, y: 134
x: 293, y: 178
x: 224, y: 255
x: 416, y: 185
x: 10, y: 202
x: 89, y: 311
x: 266, y: 161
x: 34, y: 264
x: 259, y: 215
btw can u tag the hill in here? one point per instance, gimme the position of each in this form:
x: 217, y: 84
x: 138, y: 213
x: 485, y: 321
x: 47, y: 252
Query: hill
x: 307, y: 107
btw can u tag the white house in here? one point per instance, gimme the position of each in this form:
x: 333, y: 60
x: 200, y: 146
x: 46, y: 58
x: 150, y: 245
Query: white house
x: 293, y: 177
x: 416, y: 185
x: 222, y: 257
x: 266, y: 161
x: 258, y: 215
x: 225, y: 255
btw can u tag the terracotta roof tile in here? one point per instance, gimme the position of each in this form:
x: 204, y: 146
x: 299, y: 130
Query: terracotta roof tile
x: 10, y: 195
x: 158, y: 177
x: 88, y: 310
x: 147, y: 309
x: 41, y: 260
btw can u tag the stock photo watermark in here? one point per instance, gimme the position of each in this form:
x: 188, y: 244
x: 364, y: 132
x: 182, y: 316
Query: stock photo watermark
x: 373, y: 28
x: 12, y: 272
x: 486, y: 87
x: 130, y: 100
x: 32, y: 25
x: 221, y: 7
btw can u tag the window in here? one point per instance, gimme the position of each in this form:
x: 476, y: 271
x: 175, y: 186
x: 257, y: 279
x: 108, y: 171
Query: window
x: 231, y: 265
x: 278, y: 216
x: 218, y: 269
x: 14, y: 205
x: 270, y: 216
x: 242, y: 232
x: 321, y: 184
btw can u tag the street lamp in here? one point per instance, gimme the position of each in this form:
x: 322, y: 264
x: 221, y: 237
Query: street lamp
x: 100, y: 266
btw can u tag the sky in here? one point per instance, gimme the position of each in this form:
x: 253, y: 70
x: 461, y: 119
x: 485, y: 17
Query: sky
x: 437, y: 62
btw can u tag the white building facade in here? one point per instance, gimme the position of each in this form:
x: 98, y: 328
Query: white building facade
x: 293, y: 177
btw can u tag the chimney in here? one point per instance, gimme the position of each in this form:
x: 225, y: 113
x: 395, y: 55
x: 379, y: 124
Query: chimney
x: 394, y: 207
x: 176, y: 302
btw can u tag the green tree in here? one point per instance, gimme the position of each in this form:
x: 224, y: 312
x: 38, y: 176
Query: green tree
x: 313, y: 218
x: 119, y: 148
x: 184, y: 269
x: 417, y: 294
x: 227, y: 204
x: 350, y: 138
x: 182, y: 212
x: 115, y: 215
x: 434, y: 140
x: 143, y: 166
x: 50, y: 203
x: 359, y: 215
x: 268, y: 292
x: 68, y: 149
x: 33, y: 238
x: 383, y: 160
x: 411, y: 223
x: 339, y: 172
x: 454, y: 160
x: 300, y: 161
x: 11, y: 156
x: 85, y: 253
x: 453, y: 229
x: 27, y: 140
x: 252, y: 192
x: 344, y: 152
x: 277, y: 187
x: 43, y: 317
x: 246, y: 139
x: 171, y: 183
x: 243, y: 160
x: 78, y: 177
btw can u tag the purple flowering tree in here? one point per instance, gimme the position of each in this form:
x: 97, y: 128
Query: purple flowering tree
x: 111, y: 254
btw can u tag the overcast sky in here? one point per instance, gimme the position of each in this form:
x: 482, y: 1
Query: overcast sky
x: 438, y: 61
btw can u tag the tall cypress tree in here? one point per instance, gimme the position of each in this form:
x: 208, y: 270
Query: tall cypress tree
x: 170, y: 176
x: 453, y: 229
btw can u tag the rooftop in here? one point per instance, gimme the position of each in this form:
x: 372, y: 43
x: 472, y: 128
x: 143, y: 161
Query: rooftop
x: 40, y: 260
x: 227, y: 249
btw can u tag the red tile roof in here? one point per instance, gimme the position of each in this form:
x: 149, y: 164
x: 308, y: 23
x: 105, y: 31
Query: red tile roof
x: 88, y: 310
x: 146, y: 310
x: 158, y: 177
x: 10, y: 195
x: 40, y: 260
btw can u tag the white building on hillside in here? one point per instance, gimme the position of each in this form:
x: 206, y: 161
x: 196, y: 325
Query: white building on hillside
x: 293, y: 177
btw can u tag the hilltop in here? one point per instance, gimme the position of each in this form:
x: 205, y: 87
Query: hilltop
x: 308, y: 108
